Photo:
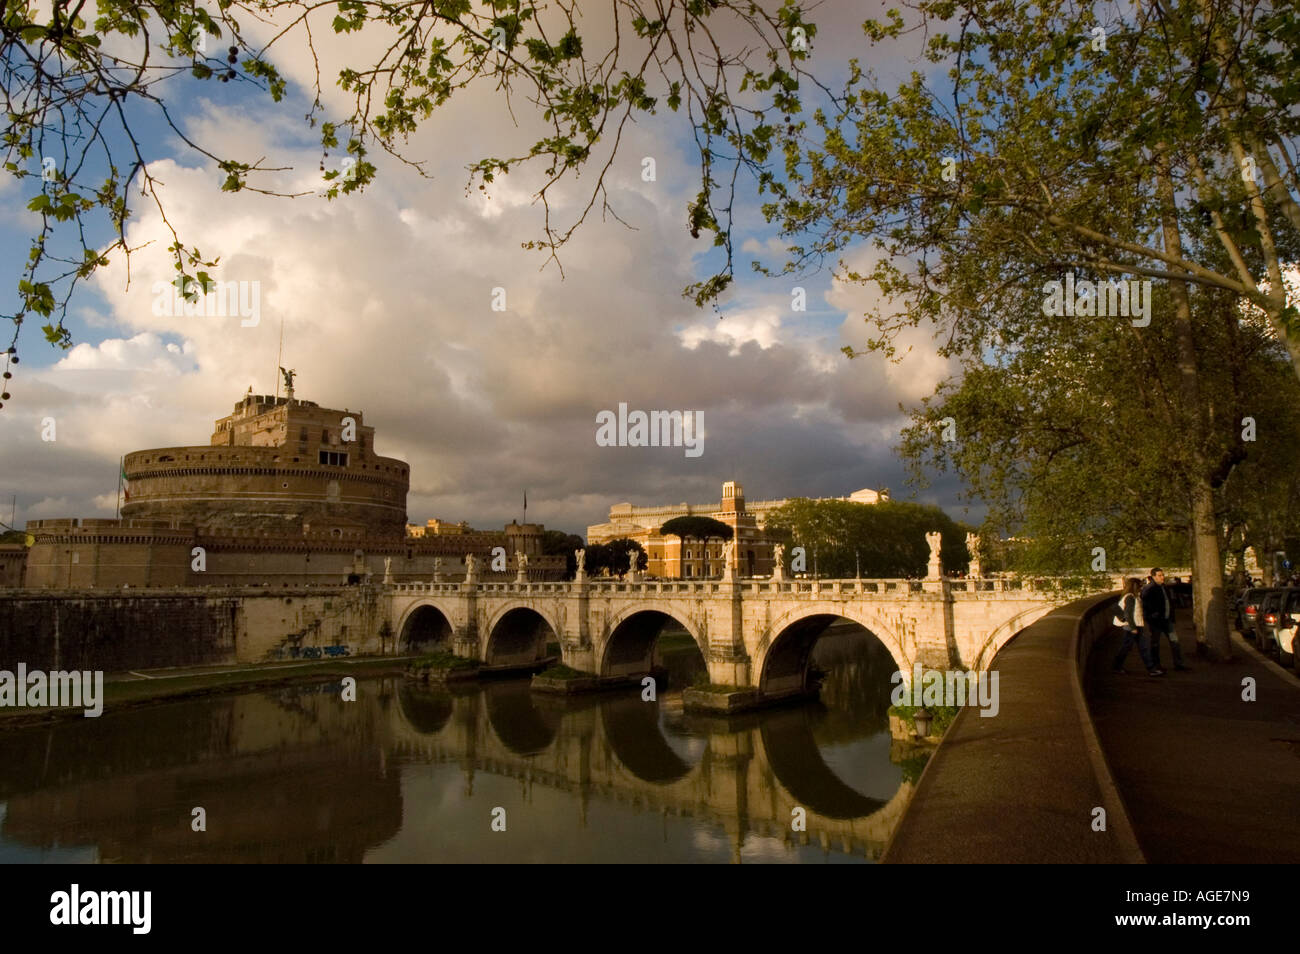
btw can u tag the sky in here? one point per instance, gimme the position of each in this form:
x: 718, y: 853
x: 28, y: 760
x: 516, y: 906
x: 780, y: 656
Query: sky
x: 384, y: 300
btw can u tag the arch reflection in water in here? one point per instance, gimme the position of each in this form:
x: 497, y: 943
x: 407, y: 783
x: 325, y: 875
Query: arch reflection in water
x: 408, y: 773
x: 522, y: 727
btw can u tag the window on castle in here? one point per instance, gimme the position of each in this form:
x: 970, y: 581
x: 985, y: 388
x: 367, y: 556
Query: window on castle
x: 324, y: 436
x: 302, y: 434
x: 334, y: 458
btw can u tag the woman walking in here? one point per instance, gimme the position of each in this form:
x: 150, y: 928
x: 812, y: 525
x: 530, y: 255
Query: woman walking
x: 1129, y: 618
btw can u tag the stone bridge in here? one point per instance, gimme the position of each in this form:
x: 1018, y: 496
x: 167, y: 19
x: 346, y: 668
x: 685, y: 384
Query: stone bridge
x: 757, y: 634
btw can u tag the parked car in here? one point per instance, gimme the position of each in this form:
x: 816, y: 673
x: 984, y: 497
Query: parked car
x: 1235, y: 609
x: 1249, y: 610
x: 1287, y: 624
x: 1270, y: 610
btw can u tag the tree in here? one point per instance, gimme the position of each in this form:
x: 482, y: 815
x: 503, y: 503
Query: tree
x: 559, y: 543
x: 1261, y: 498
x: 614, y: 556
x: 1065, y: 148
x: 703, y: 529
x: 883, y: 540
x: 80, y: 94
x: 1065, y: 142
x: 1072, y: 432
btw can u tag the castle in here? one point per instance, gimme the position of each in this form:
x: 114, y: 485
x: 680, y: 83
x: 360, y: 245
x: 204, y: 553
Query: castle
x: 285, y: 493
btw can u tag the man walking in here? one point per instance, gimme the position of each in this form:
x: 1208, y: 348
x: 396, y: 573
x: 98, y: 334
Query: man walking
x: 1129, y: 620
x: 1158, y: 610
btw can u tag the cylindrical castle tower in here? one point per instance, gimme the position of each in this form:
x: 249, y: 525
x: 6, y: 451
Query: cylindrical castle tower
x: 275, y: 464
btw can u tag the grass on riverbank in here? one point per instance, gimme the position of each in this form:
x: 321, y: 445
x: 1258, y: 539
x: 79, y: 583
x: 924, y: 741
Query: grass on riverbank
x: 676, y: 642
x: 125, y: 690
x: 443, y: 661
x: 941, y: 717
x: 561, y: 671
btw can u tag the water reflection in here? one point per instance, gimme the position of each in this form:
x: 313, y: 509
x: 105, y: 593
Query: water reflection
x: 412, y: 773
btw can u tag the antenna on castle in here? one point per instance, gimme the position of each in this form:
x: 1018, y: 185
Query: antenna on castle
x: 279, y: 356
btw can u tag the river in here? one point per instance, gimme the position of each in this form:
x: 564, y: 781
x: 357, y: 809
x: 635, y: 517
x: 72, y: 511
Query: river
x: 491, y: 772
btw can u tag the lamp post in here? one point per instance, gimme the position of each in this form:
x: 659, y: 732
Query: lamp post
x: 922, y: 718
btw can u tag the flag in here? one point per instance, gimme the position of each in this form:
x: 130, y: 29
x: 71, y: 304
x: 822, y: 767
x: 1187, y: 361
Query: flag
x: 126, y: 490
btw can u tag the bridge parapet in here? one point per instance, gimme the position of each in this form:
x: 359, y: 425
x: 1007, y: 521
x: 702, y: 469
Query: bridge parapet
x: 750, y: 586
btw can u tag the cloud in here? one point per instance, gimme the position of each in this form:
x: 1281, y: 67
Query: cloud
x: 383, y: 302
x: 145, y: 351
x: 736, y: 330
x: 772, y: 247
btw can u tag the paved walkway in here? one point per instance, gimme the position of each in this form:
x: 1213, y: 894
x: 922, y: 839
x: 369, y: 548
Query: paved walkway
x: 1206, y: 777
x: 1019, y: 787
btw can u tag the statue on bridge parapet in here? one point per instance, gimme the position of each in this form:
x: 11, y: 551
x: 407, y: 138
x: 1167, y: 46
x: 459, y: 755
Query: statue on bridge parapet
x: 521, y: 567
x: 437, y: 569
x: 388, y: 571
x: 471, y: 568
x: 729, y: 560
x: 935, y: 569
x: 581, y: 557
x: 778, y: 555
x: 973, y: 546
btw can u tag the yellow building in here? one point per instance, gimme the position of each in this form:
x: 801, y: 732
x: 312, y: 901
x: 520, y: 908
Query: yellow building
x: 669, y: 558
x: 438, y: 528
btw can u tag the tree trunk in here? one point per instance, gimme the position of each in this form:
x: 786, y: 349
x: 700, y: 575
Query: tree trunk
x: 1209, y: 608
x: 1209, y: 596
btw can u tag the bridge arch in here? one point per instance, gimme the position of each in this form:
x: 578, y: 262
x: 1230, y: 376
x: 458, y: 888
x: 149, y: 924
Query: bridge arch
x: 992, y: 644
x: 518, y: 632
x: 785, y: 648
x: 424, y: 623
x: 630, y: 635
